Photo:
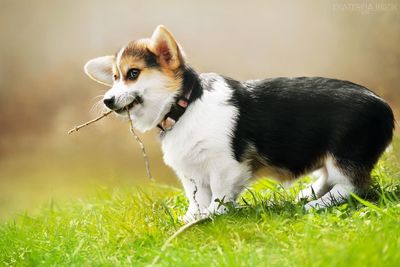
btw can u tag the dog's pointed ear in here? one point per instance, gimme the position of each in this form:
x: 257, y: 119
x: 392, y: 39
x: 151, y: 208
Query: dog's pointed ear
x: 164, y: 46
x: 100, y: 69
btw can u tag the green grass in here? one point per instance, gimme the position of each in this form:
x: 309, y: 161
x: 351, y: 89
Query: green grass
x: 128, y: 227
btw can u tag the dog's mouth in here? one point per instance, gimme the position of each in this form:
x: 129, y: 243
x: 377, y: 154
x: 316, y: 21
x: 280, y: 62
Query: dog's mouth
x: 138, y: 100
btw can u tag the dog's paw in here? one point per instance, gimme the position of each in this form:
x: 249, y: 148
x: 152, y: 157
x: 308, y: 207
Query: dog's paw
x: 192, y: 216
x: 315, y: 204
x: 217, y: 211
x: 305, y: 194
x: 219, y: 207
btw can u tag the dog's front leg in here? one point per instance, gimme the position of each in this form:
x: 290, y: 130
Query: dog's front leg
x: 199, y: 196
x: 226, y: 185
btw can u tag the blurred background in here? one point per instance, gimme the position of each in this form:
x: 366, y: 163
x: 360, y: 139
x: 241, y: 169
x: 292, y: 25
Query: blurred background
x: 44, y: 91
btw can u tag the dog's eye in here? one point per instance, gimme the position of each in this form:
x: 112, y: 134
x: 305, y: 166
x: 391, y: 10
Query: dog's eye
x: 133, y: 74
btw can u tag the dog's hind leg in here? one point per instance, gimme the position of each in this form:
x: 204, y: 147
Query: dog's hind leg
x: 337, y: 195
x: 318, y: 188
x: 343, y: 181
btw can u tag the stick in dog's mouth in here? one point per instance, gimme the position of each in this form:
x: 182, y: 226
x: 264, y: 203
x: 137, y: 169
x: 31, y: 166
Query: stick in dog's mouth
x: 76, y: 128
x: 138, y: 100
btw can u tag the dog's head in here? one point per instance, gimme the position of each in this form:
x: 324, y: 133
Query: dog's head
x: 145, y: 76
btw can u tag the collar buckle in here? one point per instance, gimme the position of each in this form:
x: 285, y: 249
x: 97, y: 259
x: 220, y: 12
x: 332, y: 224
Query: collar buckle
x: 176, y: 111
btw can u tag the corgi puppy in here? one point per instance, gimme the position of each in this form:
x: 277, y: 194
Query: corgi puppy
x: 218, y: 133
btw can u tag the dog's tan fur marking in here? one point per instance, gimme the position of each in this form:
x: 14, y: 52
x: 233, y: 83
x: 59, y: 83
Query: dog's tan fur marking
x: 134, y: 56
x: 275, y: 173
x: 263, y: 169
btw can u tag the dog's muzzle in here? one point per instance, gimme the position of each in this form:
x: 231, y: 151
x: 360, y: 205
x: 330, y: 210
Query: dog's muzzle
x: 110, y: 103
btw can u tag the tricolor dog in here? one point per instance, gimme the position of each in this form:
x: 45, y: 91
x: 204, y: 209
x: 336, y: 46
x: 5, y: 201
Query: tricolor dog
x: 217, y: 132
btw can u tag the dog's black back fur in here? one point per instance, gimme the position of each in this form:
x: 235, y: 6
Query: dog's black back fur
x: 293, y: 122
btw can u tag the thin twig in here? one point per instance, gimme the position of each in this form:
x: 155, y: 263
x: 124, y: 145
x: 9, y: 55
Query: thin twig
x: 76, y: 128
x: 146, y: 159
x: 172, y: 237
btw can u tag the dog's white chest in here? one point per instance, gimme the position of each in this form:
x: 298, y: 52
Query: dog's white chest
x: 186, y: 153
x: 201, y: 137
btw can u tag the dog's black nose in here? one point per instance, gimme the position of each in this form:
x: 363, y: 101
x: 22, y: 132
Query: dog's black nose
x: 109, y: 102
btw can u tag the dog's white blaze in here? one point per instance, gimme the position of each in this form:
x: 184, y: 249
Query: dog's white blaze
x: 198, y: 148
x: 118, y: 61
